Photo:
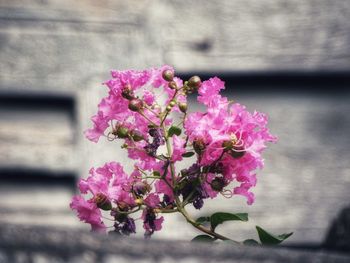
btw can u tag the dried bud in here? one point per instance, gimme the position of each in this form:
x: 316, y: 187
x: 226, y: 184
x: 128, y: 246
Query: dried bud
x: 127, y: 92
x: 137, y: 136
x: 135, y: 105
x: 199, y: 146
x: 122, y: 132
x: 168, y: 75
x: 194, y: 82
x: 102, y: 202
x: 237, y: 152
x: 183, y: 107
x: 172, y: 85
x: 218, y: 184
x: 172, y: 103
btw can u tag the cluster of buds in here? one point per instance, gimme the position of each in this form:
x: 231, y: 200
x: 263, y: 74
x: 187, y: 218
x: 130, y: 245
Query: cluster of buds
x: 122, y: 132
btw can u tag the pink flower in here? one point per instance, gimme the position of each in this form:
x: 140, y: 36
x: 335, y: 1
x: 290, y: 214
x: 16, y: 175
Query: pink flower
x: 148, y: 97
x: 243, y: 190
x: 109, y: 180
x: 163, y: 188
x: 114, y: 107
x: 89, y: 213
x: 150, y: 222
x: 178, y: 148
x: 100, y: 125
x: 209, y: 90
x: 152, y: 200
x: 223, y: 124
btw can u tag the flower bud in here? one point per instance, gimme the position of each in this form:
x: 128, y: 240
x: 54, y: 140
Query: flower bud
x: 218, y: 184
x: 127, y: 92
x: 172, y: 103
x: 172, y: 85
x: 168, y: 75
x: 227, y: 145
x: 168, y: 108
x: 122, y: 132
x: 137, y: 136
x: 183, y: 107
x: 199, y: 146
x: 237, y: 152
x: 135, y: 105
x: 194, y: 82
x: 102, y: 202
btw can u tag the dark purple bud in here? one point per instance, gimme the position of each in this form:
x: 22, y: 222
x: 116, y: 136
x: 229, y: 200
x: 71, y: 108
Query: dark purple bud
x: 128, y: 226
x: 218, y: 184
x: 198, y: 202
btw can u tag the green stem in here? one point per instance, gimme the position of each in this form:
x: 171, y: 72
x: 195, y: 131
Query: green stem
x: 143, y: 115
x: 166, y: 210
x: 202, y: 228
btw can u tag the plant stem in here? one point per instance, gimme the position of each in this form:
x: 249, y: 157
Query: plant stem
x: 202, y: 228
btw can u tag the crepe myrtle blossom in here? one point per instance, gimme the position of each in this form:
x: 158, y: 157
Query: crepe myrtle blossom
x: 146, y: 112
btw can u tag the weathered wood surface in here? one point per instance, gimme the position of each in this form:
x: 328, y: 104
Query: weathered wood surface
x: 257, y: 35
x: 38, y: 244
x: 65, y: 47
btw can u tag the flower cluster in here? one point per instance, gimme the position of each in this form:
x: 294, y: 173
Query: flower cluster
x: 223, y: 145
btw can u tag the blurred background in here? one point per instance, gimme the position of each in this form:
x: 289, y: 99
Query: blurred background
x: 287, y: 58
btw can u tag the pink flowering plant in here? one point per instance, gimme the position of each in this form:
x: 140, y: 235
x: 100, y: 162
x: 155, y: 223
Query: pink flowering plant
x: 147, y: 111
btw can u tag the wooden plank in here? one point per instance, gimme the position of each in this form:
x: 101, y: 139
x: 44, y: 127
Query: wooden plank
x: 258, y: 35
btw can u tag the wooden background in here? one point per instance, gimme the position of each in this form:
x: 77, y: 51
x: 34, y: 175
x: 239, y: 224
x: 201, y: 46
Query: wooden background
x: 55, y: 54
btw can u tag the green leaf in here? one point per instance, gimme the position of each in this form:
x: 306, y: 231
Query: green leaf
x: 174, y: 130
x: 203, y: 219
x: 267, y: 238
x: 250, y: 242
x: 188, y: 154
x: 220, y: 217
x: 203, y: 238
